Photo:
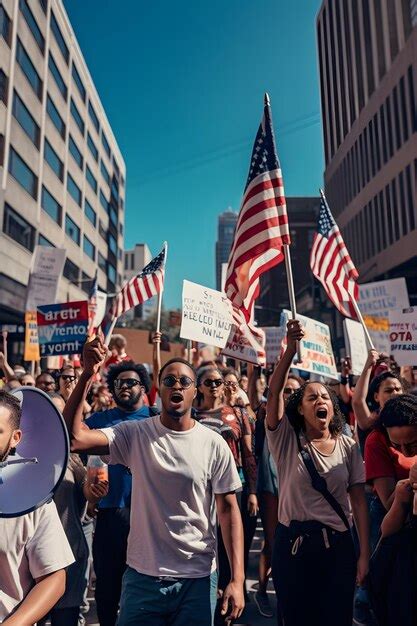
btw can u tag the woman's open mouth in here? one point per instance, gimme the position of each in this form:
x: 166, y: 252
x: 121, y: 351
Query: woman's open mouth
x: 321, y: 413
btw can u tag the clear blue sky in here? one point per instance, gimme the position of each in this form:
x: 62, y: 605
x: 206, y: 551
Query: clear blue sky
x: 182, y: 82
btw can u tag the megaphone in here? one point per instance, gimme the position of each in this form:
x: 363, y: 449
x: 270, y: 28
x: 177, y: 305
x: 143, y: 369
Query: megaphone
x: 30, y: 477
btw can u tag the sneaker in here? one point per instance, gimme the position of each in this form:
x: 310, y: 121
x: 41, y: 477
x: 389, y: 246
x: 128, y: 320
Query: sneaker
x: 262, y: 602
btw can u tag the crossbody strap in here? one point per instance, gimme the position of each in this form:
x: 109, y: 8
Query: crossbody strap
x: 319, y: 483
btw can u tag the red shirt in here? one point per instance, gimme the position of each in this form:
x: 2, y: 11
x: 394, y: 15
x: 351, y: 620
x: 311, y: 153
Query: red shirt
x: 115, y: 358
x: 383, y: 461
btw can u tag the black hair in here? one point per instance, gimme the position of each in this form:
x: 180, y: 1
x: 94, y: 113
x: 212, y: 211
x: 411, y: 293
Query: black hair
x: 128, y: 366
x: 176, y: 360
x: 375, y: 385
x: 12, y: 403
x: 297, y: 420
x: 400, y: 411
x: 206, y: 370
x: 229, y: 371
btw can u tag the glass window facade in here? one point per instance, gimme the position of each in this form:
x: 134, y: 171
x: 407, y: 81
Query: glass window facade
x: 90, y: 179
x: 23, y: 174
x: 55, y: 117
x: 71, y: 271
x: 73, y: 190
x: 18, y: 228
x: 93, y: 117
x: 72, y: 230
x: 3, y: 87
x: 5, y: 25
x: 89, y: 248
x: 43, y: 241
x: 105, y: 172
x: 90, y: 213
x: 59, y: 38
x: 28, y: 69
x: 78, y: 82
x: 33, y: 25
x: 75, y: 152
x: 26, y: 121
x: 53, y: 160
x: 105, y: 144
x: 77, y: 117
x: 53, y: 68
x: 92, y: 147
x: 51, y: 206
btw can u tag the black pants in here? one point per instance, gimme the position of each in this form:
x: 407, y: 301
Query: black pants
x: 109, y: 554
x: 62, y: 617
x: 314, y: 571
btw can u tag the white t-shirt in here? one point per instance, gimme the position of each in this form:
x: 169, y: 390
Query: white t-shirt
x: 175, y: 476
x: 31, y: 546
x: 298, y: 500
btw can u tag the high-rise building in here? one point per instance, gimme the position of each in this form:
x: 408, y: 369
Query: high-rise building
x: 225, y: 232
x: 134, y: 262
x: 62, y: 176
x: 368, y: 74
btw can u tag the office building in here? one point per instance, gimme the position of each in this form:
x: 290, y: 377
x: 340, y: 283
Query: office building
x: 368, y: 73
x: 225, y: 232
x: 62, y: 175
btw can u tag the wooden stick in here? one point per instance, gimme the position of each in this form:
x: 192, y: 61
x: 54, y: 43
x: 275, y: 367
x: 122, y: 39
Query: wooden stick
x: 361, y: 320
x: 291, y: 293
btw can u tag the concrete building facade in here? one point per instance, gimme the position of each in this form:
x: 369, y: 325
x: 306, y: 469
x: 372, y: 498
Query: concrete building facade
x: 367, y: 51
x: 62, y: 175
x: 225, y: 232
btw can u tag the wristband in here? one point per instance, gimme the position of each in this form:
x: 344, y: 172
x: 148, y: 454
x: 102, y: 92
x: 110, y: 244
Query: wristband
x: 344, y: 380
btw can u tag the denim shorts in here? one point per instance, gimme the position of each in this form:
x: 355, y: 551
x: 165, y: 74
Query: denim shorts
x: 151, y: 601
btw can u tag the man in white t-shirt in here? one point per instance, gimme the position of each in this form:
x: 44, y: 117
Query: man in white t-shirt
x: 33, y: 548
x: 180, y: 470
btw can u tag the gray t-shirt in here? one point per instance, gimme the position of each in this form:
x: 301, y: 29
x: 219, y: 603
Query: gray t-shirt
x: 175, y: 476
x: 341, y: 469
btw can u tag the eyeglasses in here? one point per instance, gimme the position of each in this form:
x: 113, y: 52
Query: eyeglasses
x: 68, y: 377
x: 184, y: 381
x: 230, y: 383
x: 119, y: 383
x: 213, y: 383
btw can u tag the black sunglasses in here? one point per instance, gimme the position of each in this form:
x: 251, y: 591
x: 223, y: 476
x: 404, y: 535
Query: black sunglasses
x: 213, y: 383
x: 68, y: 377
x: 184, y: 381
x: 289, y: 390
x: 126, y: 382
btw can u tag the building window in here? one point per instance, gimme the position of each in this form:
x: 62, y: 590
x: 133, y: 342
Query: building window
x: 53, y: 68
x: 105, y: 144
x: 5, y: 26
x: 59, y: 38
x: 89, y: 248
x: 55, y: 117
x: 90, y: 179
x: 413, y: 111
x: 410, y: 198
x: 92, y: 147
x: 72, y: 230
x: 3, y: 87
x: 33, y: 25
x: 102, y: 263
x: 113, y: 215
x: 102, y: 231
x: 18, y: 228
x: 121, y: 228
x: 23, y: 174
x: 77, y: 117
x: 93, y: 116
x: 43, y: 241
x: 51, y: 206
x: 78, y: 82
x: 28, y: 69
x: 76, y: 154
x: 111, y: 241
x: 116, y: 167
x: 44, y: 5
x: 71, y: 271
x: 90, y: 213
x: 26, y: 121
x: 73, y: 190
x: 379, y: 29
x: 53, y: 160
x: 111, y: 273
x: 104, y: 203
x: 105, y: 172
x: 392, y: 26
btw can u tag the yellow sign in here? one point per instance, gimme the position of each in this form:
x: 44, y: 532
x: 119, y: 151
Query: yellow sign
x: 376, y: 323
x: 31, y: 337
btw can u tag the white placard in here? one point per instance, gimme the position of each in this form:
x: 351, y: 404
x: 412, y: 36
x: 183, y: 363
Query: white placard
x: 100, y: 309
x: 246, y: 343
x: 206, y: 315
x: 273, y: 342
x: 356, y: 346
x: 316, y: 347
x: 403, y: 336
x: 47, y: 266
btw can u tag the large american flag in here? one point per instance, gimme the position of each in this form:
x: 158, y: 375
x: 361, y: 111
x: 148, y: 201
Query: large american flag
x: 262, y: 226
x: 331, y: 264
x: 148, y: 283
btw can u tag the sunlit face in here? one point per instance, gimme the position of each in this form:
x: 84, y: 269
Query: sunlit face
x: 212, y: 385
x: 261, y: 384
x: 67, y: 380
x: 404, y: 439
x: 389, y: 388
x: 316, y: 406
x: 45, y: 382
x: 231, y: 383
x: 244, y: 383
x: 9, y: 437
x: 128, y: 389
x: 291, y: 387
x: 177, y: 395
x: 27, y: 380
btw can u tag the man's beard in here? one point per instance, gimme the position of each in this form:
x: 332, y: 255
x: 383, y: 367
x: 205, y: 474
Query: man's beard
x: 6, y: 451
x: 127, y: 403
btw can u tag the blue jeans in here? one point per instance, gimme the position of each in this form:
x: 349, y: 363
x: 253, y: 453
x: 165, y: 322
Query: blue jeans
x: 150, y: 601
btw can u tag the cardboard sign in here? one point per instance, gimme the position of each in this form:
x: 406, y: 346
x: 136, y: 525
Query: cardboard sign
x: 62, y: 327
x: 403, y: 336
x: 31, y: 337
x: 47, y: 266
x: 376, y: 300
x: 273, y: 342
x: 316, y: 347
x: 246, y: 344
x: 356, y: 346
x: 206, y: 315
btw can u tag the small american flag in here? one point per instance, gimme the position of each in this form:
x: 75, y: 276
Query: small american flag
x: 262, y: 226
x: 145, y: 285
x: 331, y: 264
x: 92, y: 304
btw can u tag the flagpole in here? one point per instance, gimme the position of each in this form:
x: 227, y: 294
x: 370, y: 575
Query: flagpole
x: 110, y: 332
x: 291, y: 293
x: 159, y: 309
x: 361, y: 320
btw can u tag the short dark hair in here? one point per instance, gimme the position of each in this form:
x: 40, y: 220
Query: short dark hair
x: 177, y: 359
x: 203, y: 371
x: 375, y: 385
x: 297, y: 420
x: 12, y: 403
x: 400, y: 411
x: 128, y: 366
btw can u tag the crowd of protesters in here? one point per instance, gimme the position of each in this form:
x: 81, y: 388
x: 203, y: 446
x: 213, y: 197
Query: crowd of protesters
x: 196, y: 453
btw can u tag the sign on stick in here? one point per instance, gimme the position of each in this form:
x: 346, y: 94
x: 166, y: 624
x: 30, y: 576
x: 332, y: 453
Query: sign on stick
x: 62, y: 327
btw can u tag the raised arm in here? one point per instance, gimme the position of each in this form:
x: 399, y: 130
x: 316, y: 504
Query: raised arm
x: 345, y: 390
x: 82, y: 438
x: 156, y: 358
x: 275, y: 404
x: 4, y: 365
x: 40, y: 599
x: 362, y: 413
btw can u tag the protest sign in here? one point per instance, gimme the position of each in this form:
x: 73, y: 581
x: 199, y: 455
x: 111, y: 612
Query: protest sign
x: 376, y: 300
x: 246, y: 344
x: 47, y: 266
x: 206, y: 315
x: 273, y: 342
x: 31, y: 352
x: 62, y: 327
x: 356, y: 346
x: 403, y: 336
x: 316, y: 347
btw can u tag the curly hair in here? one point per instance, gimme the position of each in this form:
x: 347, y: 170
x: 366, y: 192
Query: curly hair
x: 128, y: 366
x: 400, y: 411
x: 13, y: 404
x: 375, y: 385
x: 297, y: 420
